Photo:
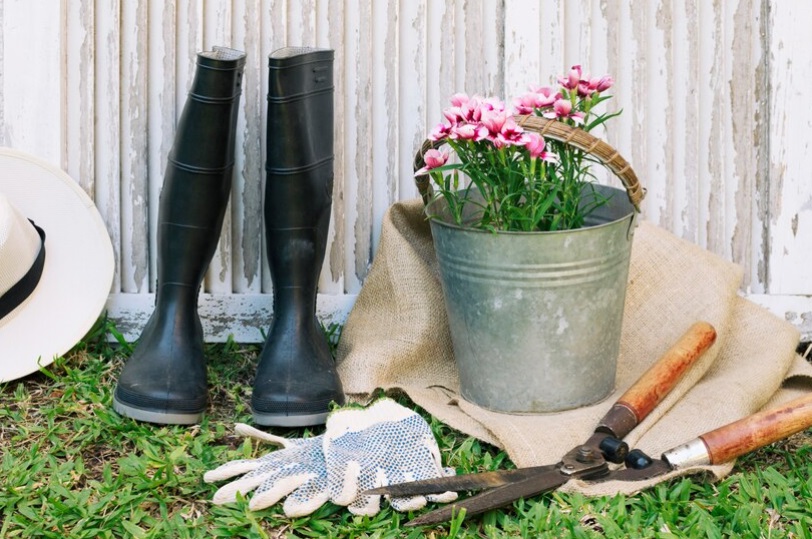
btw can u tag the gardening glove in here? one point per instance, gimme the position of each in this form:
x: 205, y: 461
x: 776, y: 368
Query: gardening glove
x: 296, y: 471
x: 383, y: 444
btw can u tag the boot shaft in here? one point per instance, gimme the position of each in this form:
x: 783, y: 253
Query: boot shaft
x: 199, y: 170
x: 204, y: 139
x: 299, y: 168
x: 300, y: 110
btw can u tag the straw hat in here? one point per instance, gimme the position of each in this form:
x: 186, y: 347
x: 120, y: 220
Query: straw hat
x: 43, y: 314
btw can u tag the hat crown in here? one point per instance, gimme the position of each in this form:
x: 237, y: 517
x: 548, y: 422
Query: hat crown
x: 19, y: 245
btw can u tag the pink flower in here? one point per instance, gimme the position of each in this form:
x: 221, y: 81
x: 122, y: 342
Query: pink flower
x: 509, y: 135
x: 440, y: 132
x: 433, y: 159
x: 588, y: 86
x: 473, y: 132
x: 571, y: 80
x: 493, y: 121
x: 524, y: 104
x: 562, y: 109
x: 536, y: 98
x: 535, y: 145
x: 460, y: 99
x: 604, y: 83
x: 454, y: 115
x: 493, y: 103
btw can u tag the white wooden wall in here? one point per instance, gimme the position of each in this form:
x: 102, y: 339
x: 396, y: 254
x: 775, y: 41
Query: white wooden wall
x: 716, y: 119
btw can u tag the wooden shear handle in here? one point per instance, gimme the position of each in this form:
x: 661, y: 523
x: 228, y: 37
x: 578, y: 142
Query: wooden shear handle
x: 652, y: 387
x: 760, y: 429
x: 740, y: 437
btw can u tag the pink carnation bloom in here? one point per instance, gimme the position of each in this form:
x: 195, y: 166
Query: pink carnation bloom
x: 509, y: 135
x: 433, y: 159
x: 493, y: 121
x: 604, y: 83
x: 473, y: 132
x: 571, y: 80
x: 439, y: 132
x: 454, y: 115
x: 589, y: 86
x: 493, y: 103
x: 537, y: 98
x: 535, y: 145
x: 562, y: 109
x: 460, y: 99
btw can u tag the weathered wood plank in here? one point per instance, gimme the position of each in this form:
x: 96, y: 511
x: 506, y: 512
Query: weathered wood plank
x: 134, y: 127
x: 356, y: 99
x: 33, y: 79
x: 161, y: 84
x: 331, y: 34
x: 381, y: 174
x: 80, y: 100
x: 526, y: 33
x: 217, y: 31
x: 107, y: 136
x: 790, y: 194
x: 249, y: 168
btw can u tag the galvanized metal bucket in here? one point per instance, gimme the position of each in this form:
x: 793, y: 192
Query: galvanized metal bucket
x: 536, y: 317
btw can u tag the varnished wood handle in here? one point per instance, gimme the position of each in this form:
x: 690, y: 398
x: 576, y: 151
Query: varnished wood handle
x: 760, y: 429
x: 650, y: 389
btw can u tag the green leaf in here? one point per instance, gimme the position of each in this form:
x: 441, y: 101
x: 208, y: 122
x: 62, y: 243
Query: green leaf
x: 135, y: 531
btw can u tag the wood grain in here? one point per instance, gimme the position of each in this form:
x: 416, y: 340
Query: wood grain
x: 739, y: 438
x: 650, y: 389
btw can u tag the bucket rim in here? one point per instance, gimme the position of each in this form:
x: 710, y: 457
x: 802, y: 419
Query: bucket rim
x: 434, y: 219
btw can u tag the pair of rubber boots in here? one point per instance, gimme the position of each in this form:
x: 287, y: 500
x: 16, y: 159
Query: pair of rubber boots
x: 164, y: 381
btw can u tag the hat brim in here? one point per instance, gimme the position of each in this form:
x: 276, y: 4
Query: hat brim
x: 78, y: 271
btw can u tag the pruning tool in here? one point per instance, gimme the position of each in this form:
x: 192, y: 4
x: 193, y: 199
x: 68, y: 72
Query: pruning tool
x: 590, y: 461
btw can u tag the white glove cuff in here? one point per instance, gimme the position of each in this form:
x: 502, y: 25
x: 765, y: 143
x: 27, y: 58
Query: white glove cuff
x: 356, y: 420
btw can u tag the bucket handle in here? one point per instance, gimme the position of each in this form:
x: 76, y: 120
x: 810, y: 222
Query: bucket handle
x: 561, y: 132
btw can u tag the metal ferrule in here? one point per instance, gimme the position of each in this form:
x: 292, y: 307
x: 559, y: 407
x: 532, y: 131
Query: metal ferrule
x: 694, y: 453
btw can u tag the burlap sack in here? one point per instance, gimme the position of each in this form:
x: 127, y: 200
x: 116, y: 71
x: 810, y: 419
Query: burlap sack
x: 396, y: 337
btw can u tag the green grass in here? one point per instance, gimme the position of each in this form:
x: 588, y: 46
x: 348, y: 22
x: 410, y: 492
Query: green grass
x: 73, y: 468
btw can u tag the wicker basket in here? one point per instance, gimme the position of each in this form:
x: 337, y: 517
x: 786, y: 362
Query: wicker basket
x: 556, y: 130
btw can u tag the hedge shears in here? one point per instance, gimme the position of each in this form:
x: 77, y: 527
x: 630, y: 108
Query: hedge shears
x: 590, y: 461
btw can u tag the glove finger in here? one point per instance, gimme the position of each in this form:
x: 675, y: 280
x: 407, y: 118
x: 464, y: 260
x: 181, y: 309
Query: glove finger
x: 365, y: 505
x: 412, y: 503
x: 307, y: 498
x: 231, y: 469
x: 445, y: 497
x: 271, y: 492
x: 344, y: 486
x: 228, y: 493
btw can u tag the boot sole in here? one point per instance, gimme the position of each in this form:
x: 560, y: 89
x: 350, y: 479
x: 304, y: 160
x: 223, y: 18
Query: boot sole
x: 159, y: 417
x: 298, y: 420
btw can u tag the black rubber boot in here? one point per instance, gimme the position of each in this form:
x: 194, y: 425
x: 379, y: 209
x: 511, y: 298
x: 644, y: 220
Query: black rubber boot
x: 165, y: 379
x: 296, y: 378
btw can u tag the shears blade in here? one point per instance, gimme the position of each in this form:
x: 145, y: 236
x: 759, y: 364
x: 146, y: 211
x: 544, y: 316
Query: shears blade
x: 496, y: 497
x: 456, y: 483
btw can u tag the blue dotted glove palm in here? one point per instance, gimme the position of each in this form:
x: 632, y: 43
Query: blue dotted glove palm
x: 383, y: 444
